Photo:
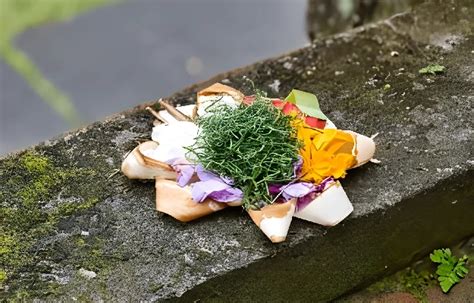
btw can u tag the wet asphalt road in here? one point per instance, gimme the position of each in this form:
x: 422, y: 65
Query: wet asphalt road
x: 119, y: 56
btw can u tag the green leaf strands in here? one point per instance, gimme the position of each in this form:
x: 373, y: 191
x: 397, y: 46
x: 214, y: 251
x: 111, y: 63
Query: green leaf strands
x: 254, y: 145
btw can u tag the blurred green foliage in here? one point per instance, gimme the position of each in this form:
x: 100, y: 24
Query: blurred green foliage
x: 19, y: 15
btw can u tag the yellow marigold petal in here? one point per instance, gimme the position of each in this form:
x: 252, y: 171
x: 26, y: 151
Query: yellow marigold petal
x: 325, y: 138
x: 340, y: 164
x: 325, y: 153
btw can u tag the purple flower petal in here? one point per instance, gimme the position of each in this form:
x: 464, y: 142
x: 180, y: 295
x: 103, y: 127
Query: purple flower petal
x: 173, y: 160
x: 274, y: 189
x: 184, y: 175
x: 227, y: 195
x: 205, y: 175
x: 214, y: 187
x: 302, y: 202
x: 184, y: 169
x: 202, y: 189
x: 297, y: 190
x: 297, y: 167
x: 228, y: 180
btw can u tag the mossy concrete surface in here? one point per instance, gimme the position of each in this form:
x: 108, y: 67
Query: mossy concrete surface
x: 75, y: 229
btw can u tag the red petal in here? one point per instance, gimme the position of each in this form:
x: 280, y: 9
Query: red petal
x: 290, y: 108
x: 278, y: 103
x: 315, y: 122
x: 248, y: 100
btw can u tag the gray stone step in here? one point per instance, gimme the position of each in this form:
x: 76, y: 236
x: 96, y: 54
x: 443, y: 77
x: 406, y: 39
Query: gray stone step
x: 74, y: 229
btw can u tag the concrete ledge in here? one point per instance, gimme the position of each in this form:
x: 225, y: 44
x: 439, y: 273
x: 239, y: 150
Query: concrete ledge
x: 73, y: 229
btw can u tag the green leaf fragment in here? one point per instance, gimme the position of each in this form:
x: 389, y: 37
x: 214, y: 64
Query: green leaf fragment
x: 436, y: 256
x: 445, y: 285
x: 450, y: 269
x: 432, y: 69
x: 307, y: 103
x: 463, y: 271
x: 444, y: 269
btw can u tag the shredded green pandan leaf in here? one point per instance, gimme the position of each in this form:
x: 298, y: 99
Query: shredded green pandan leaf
x: 450, y: 269
x: 254, y: 145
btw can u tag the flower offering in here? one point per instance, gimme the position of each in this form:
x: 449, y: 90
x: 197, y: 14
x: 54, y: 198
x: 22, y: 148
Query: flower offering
x: 276, y: 158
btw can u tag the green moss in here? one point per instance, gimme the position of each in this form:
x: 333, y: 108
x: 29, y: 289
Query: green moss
x: 35, y: 163
x: 84, y: 298
x: 432, y: 69
x: 37, y: 196
x: 80, y: 242
x: 20, y: 296
x: 154, y: 287
x: 89, y: 253
x: 11, y: 250
x: 408, y: 280
x: 3, y: 277
x: 70, y: 208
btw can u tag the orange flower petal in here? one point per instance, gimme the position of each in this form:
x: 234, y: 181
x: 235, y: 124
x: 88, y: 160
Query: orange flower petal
x: 325, y: 153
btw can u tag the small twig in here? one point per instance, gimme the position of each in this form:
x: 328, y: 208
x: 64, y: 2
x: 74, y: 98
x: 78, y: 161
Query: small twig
x: 156, y: 114
x: 375, y: 161
x: 128, y: 153
x: 173, y: 111
x: 116, y: 171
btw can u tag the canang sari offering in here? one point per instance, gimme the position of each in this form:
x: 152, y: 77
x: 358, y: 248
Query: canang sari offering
x: 278, y: 159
